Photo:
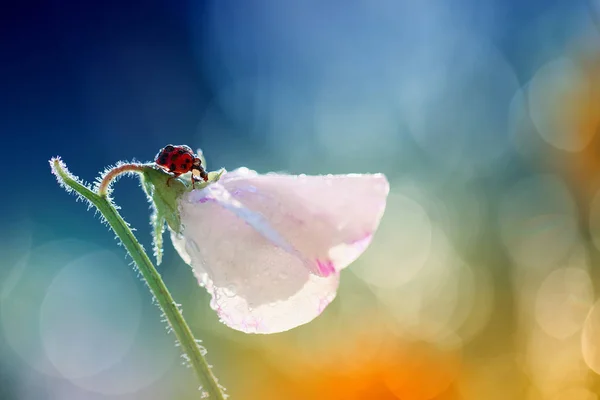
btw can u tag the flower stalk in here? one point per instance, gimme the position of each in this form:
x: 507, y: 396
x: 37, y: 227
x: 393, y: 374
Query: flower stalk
x: 99, y: 199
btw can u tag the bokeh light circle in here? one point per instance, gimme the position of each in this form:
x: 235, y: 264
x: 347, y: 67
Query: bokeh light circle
x: 537, y: 222
x: 427, y: 305
x: 594, y: 223
x: 90, y: 315
x: 401, y: 246
x: 459, y: 118
x: 563, y: 302
x: 21, y: 303
x: 552, y: 364
x: 152, y: 355
x: 56, y: 317
x: 422, y: 371
x: 553, y: 104
x: 590, y: 339
x: 475, y: 300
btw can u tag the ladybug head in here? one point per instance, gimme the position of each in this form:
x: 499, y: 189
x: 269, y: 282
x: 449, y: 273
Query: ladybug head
x: 197, y: 165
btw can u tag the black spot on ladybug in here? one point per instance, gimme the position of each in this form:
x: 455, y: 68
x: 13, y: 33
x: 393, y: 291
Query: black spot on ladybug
x: 169, y: 148
x: 184, y: 165
x: 181, y: 151
x: 163, y: 159
x: 173, y: 166
x: 174, y: 156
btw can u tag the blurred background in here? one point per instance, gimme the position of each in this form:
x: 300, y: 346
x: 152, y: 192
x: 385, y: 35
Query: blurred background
x: 482, y: 281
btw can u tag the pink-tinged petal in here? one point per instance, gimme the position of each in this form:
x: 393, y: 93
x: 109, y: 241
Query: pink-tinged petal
x: 256, y: 286
x: 329, y: 219
x: 269, y: 248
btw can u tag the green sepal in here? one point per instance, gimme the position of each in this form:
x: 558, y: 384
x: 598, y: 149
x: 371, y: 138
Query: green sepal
x: 164, y: 199
x: 158, y: 223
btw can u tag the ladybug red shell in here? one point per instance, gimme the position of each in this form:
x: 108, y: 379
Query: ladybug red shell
x: 180, y: 160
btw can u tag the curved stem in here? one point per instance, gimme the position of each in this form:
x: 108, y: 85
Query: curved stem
x: 151, y: 276
x: 111, y: 174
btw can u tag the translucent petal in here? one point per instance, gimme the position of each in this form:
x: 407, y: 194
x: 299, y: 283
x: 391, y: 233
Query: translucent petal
x: 269, y: 248
x: 329, y: 219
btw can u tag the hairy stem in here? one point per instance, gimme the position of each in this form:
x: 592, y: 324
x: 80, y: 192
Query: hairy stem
x: 149, y: 273
x: 113, y: 173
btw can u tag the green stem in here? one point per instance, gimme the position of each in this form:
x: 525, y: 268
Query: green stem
x: 151, y: 276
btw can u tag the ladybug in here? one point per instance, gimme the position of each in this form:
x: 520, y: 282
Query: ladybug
x: 180, y: 160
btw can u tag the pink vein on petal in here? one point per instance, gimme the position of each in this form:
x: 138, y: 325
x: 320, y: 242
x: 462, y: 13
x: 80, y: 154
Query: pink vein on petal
x: 256, y: 220
x: 326, y: 268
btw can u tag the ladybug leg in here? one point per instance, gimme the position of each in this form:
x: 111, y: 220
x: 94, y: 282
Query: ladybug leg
x: 194, y: 180
x: 204, y: 175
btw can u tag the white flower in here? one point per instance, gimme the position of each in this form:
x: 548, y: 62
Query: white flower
x: 269, y: 248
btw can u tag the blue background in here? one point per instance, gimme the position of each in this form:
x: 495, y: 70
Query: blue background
x: 421, y: 91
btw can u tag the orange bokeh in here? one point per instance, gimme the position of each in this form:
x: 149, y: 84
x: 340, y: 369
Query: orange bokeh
x: 582, y: 114
x: 399, y: 368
